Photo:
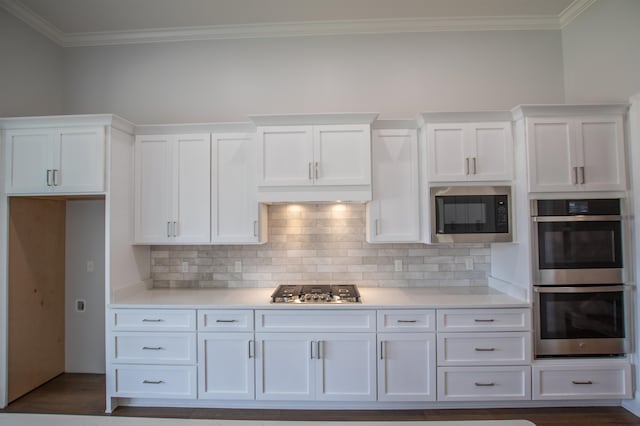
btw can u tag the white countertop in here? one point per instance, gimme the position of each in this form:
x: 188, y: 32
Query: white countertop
x: 372, y: 298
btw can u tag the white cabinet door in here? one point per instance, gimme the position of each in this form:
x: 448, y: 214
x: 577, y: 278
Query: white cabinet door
x: 284, y: 367
x: 406, y: 367
x: 235, y: 212
x: 153, y: 187
x: 226, y: 369
x: 345, y: 367
x: 342, y: 155
x: 469, y: 151
x: 78, y: 160
x: 446, y: 152
x: 28, y: 167
x: 490, y: 151
x: 191, y: 188
x: 286, y: 155
x: 601, y: 153
x: 172, y: 189
x: 65, y: 160
x: 394, y: 213
x: 576, y: 154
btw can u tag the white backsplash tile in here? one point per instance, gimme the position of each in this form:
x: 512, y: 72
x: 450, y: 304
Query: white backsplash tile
x: 315, y: 243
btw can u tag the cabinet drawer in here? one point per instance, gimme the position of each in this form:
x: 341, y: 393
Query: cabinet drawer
x: 153, y: 319
x: 453, y: 320
x: 484, y: 348
x: 336, y: 320
x: 166, y: 381
x: 406, y: 320
x: 225, y: 320
x: 154, y: 348
x: 484, y: 383
x: 598, y: 381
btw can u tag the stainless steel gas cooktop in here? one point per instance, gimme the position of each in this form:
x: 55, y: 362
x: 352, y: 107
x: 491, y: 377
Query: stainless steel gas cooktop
x: 316, y: 293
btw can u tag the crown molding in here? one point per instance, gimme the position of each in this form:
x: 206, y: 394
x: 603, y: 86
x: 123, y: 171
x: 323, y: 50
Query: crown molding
x: 35, y: 21
x: 295, y: 29
x: 573, y: 10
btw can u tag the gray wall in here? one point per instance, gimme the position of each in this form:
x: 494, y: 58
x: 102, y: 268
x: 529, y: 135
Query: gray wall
x: 84, y: 331
x: 31, y: 71
x: 601, y: 53
x: 396, y: 75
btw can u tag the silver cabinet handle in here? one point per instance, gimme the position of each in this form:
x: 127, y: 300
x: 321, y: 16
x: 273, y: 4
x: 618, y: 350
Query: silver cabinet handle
x: 581, y: 174
x: 575, y: 176
x: 255, y: 228
x: 485, y: 349
x: 56, y: 172
x: 311, y: 349
x: 252, y: 351
x: 175, y: 229
x: 382, y: 348
x: 483, y: 320
x: 226, y: 320
x: 152, y: 348
x: 320, y: 349
x: 168, y: 229
x: 474, y: 165
x: 484, y: 384
x: 152, y: 320
x: 316, y: 168
x: 466, y: 170
x: 588, y: 382
x: 49, y: 177
x: 310, y: 172
x: 377, y: 224
x: 407, y: 321
x: 152, y: 382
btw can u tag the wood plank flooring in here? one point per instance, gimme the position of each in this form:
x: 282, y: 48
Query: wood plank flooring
x: 84, y: 394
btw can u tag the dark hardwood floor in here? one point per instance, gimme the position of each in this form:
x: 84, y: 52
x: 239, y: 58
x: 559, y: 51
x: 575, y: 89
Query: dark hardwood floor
x: 84, y: 394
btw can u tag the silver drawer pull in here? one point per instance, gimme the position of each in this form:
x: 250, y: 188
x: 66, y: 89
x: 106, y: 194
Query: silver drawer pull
x: 227, y: 321
x: 588, y: 382
x: 407, y: 321
x: 152, y: 320
x: 484, y: 384
x: 485, y: 349
x: 152, y: 348
x: 152, y: 382
x: 484, y: 320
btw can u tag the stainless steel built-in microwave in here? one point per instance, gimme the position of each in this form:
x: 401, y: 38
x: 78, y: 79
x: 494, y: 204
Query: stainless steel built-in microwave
x: 471, y: 214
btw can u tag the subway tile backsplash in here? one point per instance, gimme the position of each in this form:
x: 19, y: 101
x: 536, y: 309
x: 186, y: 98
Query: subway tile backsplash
x: 313, y: 243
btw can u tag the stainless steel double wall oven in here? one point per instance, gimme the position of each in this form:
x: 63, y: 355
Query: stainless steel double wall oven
x: 581, y: 302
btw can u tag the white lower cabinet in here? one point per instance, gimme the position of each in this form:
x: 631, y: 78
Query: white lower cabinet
x: 582, y: 379
x: 154, y: 381
x: 316, y: 366
x: 484, y: 383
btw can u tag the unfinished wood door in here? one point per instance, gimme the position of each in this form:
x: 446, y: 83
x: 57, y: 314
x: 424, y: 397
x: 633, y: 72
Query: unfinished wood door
x: 36, y: 293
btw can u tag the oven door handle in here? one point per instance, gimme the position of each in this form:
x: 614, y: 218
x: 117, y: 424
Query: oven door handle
x: 578, y: 218
x: 581, y: 289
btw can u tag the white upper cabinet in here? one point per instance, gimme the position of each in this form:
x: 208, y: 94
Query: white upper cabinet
x: 469, y: 151
x: 172, y: 188
x: 576, y: 154
x: 314, y: 158
x: 393, y: 215
x: 236, y: 216
x: 60, y: 160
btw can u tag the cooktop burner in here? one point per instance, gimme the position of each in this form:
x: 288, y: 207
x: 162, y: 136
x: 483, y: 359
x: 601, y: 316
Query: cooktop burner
x: 316, y: 293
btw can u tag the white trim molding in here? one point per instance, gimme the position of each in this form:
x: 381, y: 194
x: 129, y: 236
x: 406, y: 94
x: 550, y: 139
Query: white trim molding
x: 295, y: 29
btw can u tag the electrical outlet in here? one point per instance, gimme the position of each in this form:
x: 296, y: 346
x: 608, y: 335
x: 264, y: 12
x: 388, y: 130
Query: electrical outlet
x: 185, y: 267
x: 90, y: 266
x: 397, y: 265
x: 468, y: 264
x: 81, y: 305
x: 237, y: 266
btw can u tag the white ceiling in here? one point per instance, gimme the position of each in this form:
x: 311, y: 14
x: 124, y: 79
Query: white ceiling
x: 97, y: 22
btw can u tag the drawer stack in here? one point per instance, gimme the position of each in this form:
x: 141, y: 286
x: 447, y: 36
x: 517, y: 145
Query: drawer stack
x: 153, y: 353
x: 484, y: 355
